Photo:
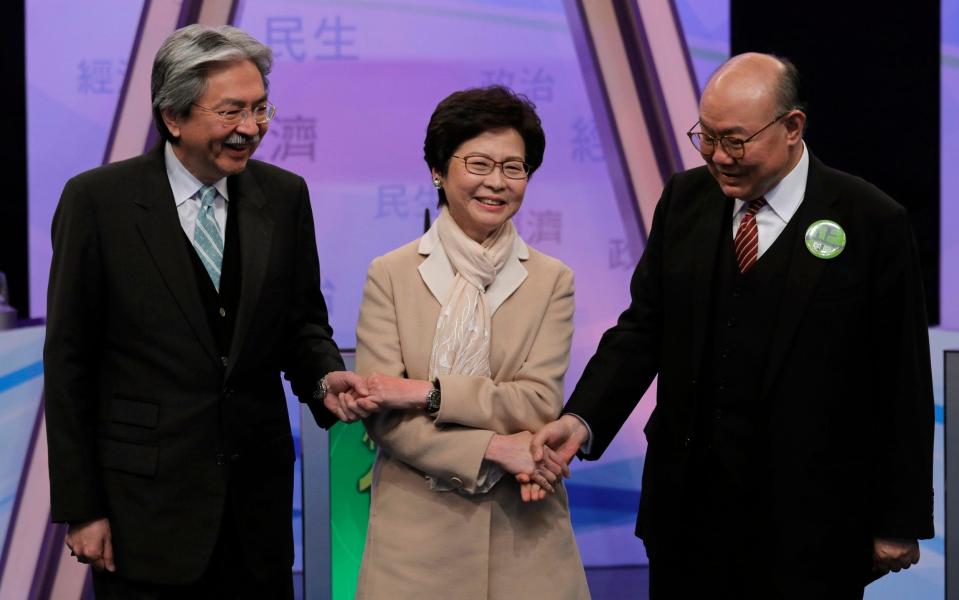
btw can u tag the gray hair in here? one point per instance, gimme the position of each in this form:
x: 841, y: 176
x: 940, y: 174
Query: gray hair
x: 181, y: 65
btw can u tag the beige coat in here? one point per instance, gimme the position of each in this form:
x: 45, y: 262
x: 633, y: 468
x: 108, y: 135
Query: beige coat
x: 427, y: 544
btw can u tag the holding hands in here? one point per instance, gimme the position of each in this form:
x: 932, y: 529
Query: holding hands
x: 351, y: 397
x: 536, y: 461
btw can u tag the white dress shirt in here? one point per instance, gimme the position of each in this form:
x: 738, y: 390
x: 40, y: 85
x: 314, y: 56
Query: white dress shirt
x: 782, y: 202
x: 186, y: 194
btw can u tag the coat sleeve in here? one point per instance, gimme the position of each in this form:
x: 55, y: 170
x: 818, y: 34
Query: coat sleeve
x: 75, y: 301
x: 534, y: 396
x: 902, y: 475
x: 312, y: 352
x: 628, y: 356
x: 447, y: 453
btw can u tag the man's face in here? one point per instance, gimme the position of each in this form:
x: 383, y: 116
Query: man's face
x: 766, y: 159
x: 207, y: 147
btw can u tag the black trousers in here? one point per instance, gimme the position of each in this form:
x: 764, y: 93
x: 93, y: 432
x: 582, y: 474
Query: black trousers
x: 227, y: 577
x: 720, y: 548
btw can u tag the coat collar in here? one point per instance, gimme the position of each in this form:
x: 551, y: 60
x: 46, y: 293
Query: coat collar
x: 256, y: 238
x: 437, y: 272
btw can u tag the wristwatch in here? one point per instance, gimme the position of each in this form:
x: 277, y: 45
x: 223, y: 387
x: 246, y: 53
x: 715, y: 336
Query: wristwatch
x: 321, y: 389
x: 433, y: 398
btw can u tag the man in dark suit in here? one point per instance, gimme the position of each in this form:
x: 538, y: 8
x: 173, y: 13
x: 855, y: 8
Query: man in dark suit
x: 780, y: 304
x: 183, y: 282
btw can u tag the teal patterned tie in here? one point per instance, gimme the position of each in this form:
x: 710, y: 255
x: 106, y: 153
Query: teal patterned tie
x: 206, y: 237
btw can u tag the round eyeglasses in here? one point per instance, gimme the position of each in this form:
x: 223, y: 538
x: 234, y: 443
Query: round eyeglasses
x: 232, y: 117
x: 482, y: 165
x: 733, y: 146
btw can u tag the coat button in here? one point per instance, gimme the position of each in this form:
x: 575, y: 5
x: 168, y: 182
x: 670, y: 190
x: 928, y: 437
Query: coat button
x: 222, y: 312
x: 456, y: 481
x: 220, y: 459
x: 224, y: 360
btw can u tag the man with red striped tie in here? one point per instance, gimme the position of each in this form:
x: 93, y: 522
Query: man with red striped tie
x: 779, y: 302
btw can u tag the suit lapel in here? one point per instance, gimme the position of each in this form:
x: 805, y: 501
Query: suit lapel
x: 160, y: 228
x: 436, y: 270
x: 509, y: 278
x: 256, y: 235
x: 706, y: 231
x: 802, y: 277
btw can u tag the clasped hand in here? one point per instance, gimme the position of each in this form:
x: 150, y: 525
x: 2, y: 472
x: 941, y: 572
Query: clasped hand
x: 351, y: 397
x: 536, y: 465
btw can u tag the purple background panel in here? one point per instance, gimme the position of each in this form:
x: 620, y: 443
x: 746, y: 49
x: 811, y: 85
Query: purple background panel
x: 76, y: 63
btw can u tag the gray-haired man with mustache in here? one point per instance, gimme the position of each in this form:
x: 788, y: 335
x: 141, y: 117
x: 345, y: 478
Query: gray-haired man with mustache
x: 183, y: 282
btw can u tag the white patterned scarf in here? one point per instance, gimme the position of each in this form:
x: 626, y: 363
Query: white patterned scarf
x: 461, y: 344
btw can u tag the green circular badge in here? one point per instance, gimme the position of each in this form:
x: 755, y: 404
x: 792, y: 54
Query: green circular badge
x: 825, y: 239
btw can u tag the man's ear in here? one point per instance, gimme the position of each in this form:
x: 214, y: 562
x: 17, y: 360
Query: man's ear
x: 795, y: 125
x: 172, y: 122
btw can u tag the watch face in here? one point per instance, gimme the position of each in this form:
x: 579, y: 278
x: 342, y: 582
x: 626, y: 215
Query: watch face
x: 433, y: 400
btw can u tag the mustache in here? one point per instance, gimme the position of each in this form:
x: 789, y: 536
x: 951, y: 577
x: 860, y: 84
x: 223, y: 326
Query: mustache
x: 238, y: 138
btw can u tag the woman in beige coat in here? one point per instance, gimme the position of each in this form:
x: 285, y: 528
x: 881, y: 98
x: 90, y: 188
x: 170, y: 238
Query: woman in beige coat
x: 464, y: 335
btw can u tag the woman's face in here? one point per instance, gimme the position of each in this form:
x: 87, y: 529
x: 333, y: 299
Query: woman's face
x: 481, y: 203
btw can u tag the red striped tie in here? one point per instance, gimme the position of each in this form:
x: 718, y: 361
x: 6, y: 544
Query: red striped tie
x: 747, y: 236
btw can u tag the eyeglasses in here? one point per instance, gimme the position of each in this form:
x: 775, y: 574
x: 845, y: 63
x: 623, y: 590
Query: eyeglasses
x: 481, y: 165
x: 234, y: 116
x: 733, y: 146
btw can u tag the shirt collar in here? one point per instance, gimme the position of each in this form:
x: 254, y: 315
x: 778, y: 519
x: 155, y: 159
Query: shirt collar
x: 182, y: 181
x: 786, y: 196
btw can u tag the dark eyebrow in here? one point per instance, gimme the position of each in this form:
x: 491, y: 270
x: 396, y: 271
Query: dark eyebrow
x: 507, y: 159
x: 240, y: 103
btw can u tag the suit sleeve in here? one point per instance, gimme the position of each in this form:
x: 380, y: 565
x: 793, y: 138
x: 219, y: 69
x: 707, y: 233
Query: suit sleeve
x: 902, y: 479
x: 71, y: 350
x: 534, y: 396
x: 443, y: 451
x: 628, y: 356
x: 313, y: 353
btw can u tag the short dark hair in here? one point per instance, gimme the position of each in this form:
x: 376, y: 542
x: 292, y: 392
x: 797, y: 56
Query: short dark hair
x: 790, y: 94
x: 463, y: 115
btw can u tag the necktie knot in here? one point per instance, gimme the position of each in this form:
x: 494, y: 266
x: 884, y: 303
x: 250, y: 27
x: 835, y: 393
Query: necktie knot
x: 754, y: 205
x: 207, y: 196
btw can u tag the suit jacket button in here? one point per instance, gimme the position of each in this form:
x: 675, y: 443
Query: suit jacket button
x: 228, y: 393
x: 456, y: 481
x: 222, y: 312
x: 688, y: 441
x: 224, y: 360
x: 220, y: 459
x: 234, y: 457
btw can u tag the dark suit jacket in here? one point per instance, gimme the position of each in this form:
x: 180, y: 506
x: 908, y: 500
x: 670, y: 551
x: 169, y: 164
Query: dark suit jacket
x: 147, y: 423
x: 847, y: 386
